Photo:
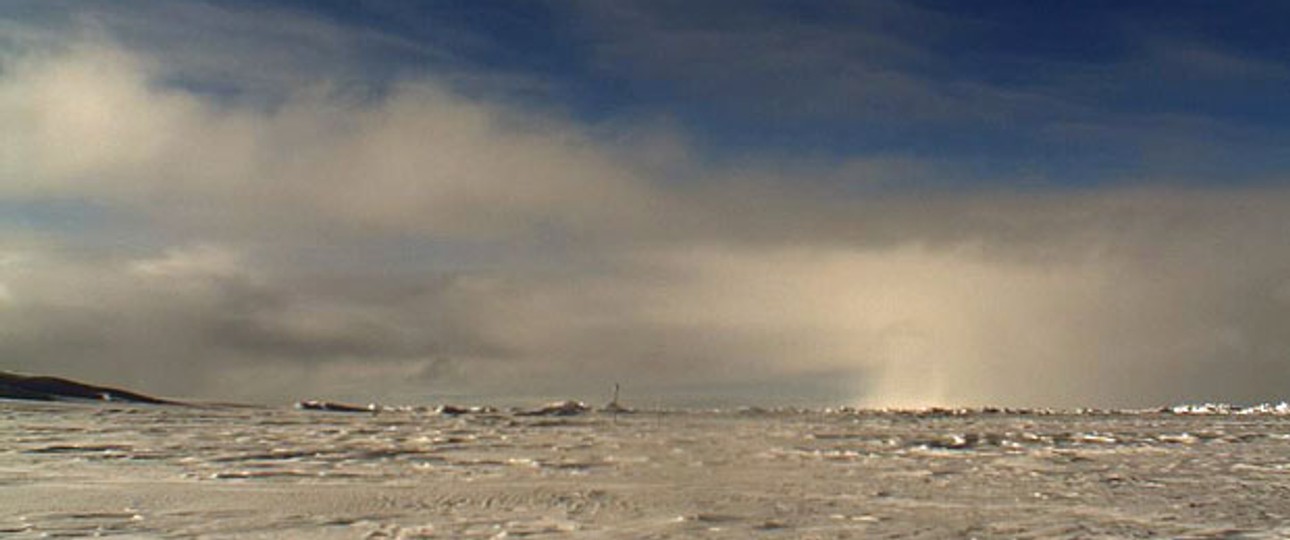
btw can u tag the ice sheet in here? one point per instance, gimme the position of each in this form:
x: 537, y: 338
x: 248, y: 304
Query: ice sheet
x: 80, y: 470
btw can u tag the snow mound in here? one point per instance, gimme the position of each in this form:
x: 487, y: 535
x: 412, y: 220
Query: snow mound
x: 1279, y: 409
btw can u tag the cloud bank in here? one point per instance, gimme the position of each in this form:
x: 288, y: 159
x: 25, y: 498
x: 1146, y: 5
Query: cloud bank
x: 419, y: 242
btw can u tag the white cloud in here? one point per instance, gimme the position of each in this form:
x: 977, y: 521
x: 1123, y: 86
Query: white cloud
x: 94, y: 123
x: 199, y: 261
x: 527, y: 251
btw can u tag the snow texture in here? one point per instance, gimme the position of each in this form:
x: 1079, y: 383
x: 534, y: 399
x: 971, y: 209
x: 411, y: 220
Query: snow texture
x: 83, y: 469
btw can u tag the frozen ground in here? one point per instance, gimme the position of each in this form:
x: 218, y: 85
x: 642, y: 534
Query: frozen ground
x: 79, y: 470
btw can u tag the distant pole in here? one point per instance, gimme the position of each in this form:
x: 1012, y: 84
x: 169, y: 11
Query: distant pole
x: 614, y: 404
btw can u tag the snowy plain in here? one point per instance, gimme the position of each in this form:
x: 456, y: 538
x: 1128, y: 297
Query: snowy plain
x: 70, y: 470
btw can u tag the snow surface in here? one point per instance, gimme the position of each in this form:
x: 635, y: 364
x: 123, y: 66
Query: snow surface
x: 152, y: 472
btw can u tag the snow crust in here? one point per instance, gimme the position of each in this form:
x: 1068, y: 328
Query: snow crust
x: 564, y: 470
x: 1279, y: 409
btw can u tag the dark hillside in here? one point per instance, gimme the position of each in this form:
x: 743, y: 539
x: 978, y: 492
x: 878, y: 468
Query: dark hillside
x: 14, y: 386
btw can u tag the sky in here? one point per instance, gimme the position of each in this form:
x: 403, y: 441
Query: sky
x: 884, y: 203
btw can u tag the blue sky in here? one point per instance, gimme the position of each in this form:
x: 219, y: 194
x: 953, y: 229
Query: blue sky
x: 1001, y: 93
x: 875, y: 202
x: 1011, y: 92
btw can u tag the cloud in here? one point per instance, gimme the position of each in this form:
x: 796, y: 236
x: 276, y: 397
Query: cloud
x: 100, y: 125
x: 226, y: 51
x: 423, y: 242
x: 784, y: 63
